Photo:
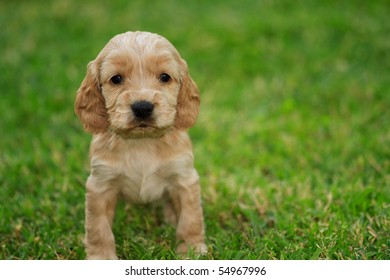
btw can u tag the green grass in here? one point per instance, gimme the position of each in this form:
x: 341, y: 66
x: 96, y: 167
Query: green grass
x: 292, y: 143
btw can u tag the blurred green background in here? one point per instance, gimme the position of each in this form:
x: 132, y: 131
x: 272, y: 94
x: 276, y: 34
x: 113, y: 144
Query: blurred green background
x: 292, y: 143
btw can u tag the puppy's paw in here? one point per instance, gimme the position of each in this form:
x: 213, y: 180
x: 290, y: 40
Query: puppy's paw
x: 170, y: 215
x: 198, y: 248
x: 102, y: 257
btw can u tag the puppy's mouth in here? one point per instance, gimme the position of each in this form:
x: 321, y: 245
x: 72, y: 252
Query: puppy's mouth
x: 142, y: 130
x: 143, y: 125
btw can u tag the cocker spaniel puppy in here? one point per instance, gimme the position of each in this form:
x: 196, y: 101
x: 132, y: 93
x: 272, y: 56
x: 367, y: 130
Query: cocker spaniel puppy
x: 138, y: 101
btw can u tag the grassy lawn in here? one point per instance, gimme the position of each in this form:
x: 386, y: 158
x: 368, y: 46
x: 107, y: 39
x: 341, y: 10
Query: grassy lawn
x: 292, y: 143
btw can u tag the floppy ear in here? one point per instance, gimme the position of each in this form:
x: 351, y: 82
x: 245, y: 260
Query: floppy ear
x: 188, y: 101
x: 90, y: 106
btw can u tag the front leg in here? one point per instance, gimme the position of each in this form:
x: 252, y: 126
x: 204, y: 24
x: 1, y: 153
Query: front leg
x: 190, y: 226
x: 100, y: 209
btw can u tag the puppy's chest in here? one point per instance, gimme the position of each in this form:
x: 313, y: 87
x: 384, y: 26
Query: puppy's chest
x: 141, y: 176
x: 142, y: 180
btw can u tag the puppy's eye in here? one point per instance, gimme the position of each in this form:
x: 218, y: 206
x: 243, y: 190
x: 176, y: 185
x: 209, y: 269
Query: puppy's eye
x: 165, y: 78
x: 117, y: 79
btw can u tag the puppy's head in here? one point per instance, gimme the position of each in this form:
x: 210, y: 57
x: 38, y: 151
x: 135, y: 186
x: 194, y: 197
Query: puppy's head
x: 138, y: 86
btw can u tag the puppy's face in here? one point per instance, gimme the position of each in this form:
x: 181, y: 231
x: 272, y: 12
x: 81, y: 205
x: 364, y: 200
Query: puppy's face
x: 139, y: 87
x: 140, y: 82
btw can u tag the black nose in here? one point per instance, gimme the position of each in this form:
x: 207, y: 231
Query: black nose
x: 142, y: 109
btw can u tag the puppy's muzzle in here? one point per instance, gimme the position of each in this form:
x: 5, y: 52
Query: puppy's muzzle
x: 142, y: 109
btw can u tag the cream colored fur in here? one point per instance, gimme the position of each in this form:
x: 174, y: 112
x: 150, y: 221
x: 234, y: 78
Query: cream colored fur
x: 143, y: 160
